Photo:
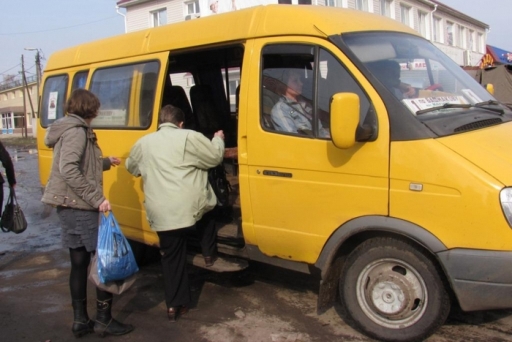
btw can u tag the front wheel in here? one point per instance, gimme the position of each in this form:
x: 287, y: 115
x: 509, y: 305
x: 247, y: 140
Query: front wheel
x: 392, y: 291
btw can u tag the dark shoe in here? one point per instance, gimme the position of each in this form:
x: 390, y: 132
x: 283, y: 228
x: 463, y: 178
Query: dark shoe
x: 82, y: 325
x: 209, y: 260
x: 113, y: 327
x: 174, y: 312
x: 80, y: 329
x: 105, y: 324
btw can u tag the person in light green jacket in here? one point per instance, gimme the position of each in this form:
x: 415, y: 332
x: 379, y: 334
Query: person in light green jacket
x: 178, y: 198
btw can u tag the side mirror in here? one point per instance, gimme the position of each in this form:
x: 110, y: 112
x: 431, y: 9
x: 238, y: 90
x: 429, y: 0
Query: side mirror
x: 490, y: 88
x: 344, y: 119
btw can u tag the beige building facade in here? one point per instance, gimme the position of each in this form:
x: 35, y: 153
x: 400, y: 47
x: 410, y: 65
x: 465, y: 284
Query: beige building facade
x: 18, y: 106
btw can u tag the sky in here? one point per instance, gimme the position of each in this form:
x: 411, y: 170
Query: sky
x: 51, y: 25
x: 495, y: 13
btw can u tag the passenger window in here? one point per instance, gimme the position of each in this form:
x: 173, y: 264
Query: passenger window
x: 127, y: 95
x: 79, y: 80
x: 291, y: 74
x: 54, y: 97
x: 288, y: 105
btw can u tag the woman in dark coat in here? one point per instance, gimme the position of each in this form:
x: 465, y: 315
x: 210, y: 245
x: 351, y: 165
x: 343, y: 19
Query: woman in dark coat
x: 5, y: 158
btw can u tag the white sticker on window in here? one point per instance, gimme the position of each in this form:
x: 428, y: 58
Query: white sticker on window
x: 52, y: 105
x: 471, y: 96
x: 429, y: 102
x: 110, y: 117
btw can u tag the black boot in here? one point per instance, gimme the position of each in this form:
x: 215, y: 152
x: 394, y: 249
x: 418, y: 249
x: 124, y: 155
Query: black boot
x: 105, y: 324
x: 82, y: 325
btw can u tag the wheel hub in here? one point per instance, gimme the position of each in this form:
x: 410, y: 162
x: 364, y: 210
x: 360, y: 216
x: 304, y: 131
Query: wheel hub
x: 390, y: 296
x: 391, y: 293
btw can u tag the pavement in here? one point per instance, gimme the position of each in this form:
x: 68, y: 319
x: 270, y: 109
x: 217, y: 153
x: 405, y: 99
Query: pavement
x: 259, y: 304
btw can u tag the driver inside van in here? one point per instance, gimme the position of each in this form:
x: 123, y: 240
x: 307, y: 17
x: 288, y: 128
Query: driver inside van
x: 293, y: 112
x: 388, y: 72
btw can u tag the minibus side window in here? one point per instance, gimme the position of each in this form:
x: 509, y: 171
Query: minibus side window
x: 288, y: 90
x: 334, y: 78
x: 54, y: 97
x: 79, y: 80
x: 127, y: 95
x: 298, y: 82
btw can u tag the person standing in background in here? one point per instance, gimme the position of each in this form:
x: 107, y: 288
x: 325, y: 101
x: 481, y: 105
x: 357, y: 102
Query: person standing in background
x: 178, y: 198
x: 75, y: 187
x: 6, y: 160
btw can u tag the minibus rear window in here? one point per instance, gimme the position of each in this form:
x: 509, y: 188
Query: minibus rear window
x: 54, y: 97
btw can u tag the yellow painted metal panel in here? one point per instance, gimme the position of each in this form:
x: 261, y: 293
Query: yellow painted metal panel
x: 443, y: 192
x: 294, y: 216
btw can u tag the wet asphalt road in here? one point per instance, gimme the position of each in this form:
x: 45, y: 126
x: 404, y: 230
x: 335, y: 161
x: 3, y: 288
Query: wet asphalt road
x: 261, y: 303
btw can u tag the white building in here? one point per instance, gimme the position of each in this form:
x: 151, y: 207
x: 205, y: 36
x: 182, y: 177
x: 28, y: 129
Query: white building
x: 461, y: 37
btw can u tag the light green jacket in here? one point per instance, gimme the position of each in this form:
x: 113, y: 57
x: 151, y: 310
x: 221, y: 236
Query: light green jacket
x: 174, y: 165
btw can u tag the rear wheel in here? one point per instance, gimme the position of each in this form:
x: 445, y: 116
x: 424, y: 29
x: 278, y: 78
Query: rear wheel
x: 392, y: 291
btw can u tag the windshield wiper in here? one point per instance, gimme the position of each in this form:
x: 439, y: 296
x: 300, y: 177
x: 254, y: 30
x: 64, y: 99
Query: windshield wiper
x: 464, y: 106
x: 490, y: 103
x: 444, y: 106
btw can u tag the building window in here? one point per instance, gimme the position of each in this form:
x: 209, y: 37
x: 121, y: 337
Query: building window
x: 462, y: 37
x: 437, y: 30
x: 449, y: 34
x: 362, y: 5
x: 192, y: 8
x: 480, y: 43
x: 405, y: 15
x: 385, y: 8
x: 159, y: 17
x: 472, y: 42
x: 423, y: 24
x: 336, y: 3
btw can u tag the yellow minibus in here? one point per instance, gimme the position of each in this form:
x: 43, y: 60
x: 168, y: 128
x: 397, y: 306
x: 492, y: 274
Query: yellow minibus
x: 365, y: 156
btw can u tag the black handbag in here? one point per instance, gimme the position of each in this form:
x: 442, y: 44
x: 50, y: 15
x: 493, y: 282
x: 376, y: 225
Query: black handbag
x: 13, y: 219
x: 220, y: 185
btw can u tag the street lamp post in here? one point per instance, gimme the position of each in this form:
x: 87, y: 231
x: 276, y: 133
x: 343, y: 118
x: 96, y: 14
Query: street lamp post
x: 38, y: 78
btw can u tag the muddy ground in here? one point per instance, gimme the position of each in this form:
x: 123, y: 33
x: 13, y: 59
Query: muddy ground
x: 261, y: 303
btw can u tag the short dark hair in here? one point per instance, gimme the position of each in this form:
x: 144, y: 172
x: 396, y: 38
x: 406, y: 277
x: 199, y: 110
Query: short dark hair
x: 171, y: 114
x: 83, y: 103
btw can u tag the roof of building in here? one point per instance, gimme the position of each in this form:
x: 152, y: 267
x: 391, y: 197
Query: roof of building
x: 456, y: 13
x: 499, y: 55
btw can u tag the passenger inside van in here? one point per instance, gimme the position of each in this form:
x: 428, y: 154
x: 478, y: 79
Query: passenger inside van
x: 293, y: 112
x: 388, y: 72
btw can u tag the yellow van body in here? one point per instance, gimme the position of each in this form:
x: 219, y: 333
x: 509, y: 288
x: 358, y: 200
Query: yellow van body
x: 333, y: 207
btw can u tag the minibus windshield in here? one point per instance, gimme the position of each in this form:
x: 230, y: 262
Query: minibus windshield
x: 424, y: 79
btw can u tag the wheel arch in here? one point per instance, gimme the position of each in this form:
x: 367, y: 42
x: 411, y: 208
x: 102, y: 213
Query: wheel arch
x: 352, y: 233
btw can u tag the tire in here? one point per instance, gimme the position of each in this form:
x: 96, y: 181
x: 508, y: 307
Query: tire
x: 391, y: 291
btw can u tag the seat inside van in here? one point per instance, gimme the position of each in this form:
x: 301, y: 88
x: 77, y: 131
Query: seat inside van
x: 204, y: 108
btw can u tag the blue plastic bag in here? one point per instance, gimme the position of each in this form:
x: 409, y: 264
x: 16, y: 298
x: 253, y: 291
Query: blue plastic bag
x: 115, y: 256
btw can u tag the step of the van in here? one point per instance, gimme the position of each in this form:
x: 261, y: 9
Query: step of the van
x: 229, y: 230
x: 222, y: 264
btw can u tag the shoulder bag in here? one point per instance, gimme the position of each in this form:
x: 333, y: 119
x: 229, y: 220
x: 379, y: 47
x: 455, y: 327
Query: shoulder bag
x: 13, y: 219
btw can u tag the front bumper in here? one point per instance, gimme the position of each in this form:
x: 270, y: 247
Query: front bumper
x: 481, y: 280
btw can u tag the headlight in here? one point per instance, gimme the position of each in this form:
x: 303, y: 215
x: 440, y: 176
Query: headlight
x: 506, y: 204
